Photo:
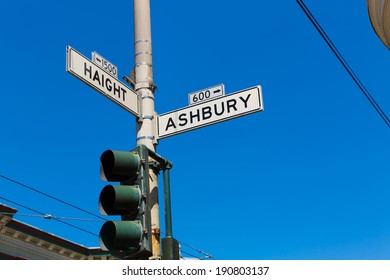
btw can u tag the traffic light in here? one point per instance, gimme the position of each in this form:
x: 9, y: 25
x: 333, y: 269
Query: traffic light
x: 131, y: 234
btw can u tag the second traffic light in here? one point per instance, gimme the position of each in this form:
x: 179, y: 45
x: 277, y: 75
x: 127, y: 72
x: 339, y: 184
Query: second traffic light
x: 132, y: 234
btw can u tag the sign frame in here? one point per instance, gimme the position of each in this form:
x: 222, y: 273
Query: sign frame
x: 232, y: 101
x: 107, y: 85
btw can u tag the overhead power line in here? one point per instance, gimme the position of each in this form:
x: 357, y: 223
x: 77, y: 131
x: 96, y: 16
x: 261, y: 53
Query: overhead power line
x: 43, y: 215
x: 206, y: 255
x: 188, y: 254
x: 50, y: 217
x: 344, y: 62
x: 50, y: 196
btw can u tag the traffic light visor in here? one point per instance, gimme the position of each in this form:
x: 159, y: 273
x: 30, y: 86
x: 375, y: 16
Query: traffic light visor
x: 119, y: 166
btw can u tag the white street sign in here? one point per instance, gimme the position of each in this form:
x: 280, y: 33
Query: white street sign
x: 217, y: 110
x: 105, y: 64
x: 89, y: 73
x: 201, y: 96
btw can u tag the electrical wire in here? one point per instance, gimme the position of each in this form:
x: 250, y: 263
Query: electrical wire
x: 188, y: 254
x: 206, y: 255
x: 50, y: 196
x: 344, y: 62
x: 43, y: 215
x: 49, y: 217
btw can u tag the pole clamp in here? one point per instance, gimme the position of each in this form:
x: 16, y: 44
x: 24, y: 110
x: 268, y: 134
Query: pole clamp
x: 147, y: 85
x: 145, y: 137
x: 147, y: 117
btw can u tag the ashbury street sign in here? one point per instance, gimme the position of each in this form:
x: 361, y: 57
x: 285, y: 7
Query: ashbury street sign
x: 94, y: 76
x: 217, y: 110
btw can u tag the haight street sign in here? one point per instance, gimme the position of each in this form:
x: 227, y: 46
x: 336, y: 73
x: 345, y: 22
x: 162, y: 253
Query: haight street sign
x: 94, y: 76
x: 217, y: 110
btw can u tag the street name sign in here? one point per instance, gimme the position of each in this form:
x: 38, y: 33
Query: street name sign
x: 89, y: 73
x: 217, y: 110
x: 205, y: 95
x: 105, y: 64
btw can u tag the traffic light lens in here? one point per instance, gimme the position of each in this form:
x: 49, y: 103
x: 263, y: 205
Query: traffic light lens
x: 119, y: 200
x: 120, y: 235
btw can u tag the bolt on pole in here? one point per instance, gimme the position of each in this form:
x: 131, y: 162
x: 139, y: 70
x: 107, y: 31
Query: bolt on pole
x: 144, y: 87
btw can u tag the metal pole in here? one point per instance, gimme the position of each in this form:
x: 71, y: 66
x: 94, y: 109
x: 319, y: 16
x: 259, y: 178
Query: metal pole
x: 167, y: 203
x: 170, y: 246
x: 144, y: 87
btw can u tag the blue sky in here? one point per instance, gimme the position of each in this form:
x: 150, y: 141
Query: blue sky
x: 308, y: 178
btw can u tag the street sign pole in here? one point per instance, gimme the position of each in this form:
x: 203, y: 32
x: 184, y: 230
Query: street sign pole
x: 146, y: 122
